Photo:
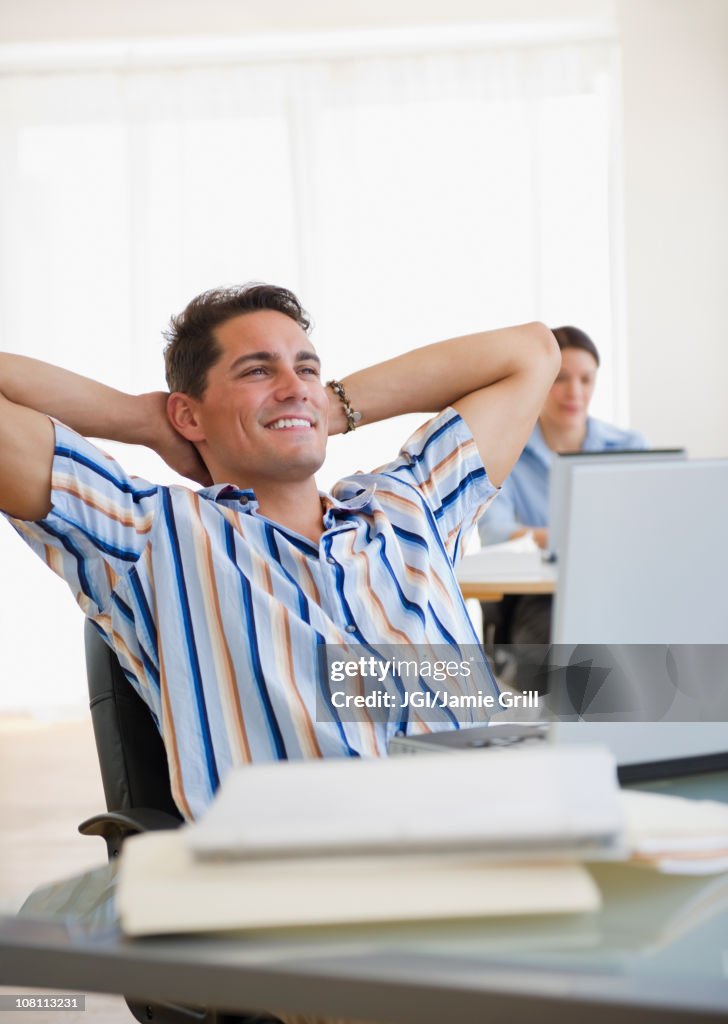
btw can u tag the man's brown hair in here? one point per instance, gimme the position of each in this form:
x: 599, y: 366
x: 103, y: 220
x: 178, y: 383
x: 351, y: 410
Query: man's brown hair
x: 192, y: 348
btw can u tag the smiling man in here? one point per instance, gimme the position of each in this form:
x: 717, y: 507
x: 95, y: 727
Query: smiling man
x: 217, y: 601
x: 254, y: 406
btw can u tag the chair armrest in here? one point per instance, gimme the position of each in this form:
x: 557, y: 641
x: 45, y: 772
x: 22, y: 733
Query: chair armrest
x: 115, y: 826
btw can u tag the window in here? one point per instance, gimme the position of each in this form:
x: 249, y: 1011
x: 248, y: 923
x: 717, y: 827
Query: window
x: 406, y: 195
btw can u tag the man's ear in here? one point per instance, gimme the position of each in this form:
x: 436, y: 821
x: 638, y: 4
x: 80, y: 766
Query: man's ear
x: 183, y: 416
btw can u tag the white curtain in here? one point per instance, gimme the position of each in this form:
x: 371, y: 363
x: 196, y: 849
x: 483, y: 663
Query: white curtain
x: 404, y: 198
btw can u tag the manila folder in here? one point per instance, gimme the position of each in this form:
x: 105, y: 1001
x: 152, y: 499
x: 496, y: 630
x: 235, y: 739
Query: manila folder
x: 164, y: 889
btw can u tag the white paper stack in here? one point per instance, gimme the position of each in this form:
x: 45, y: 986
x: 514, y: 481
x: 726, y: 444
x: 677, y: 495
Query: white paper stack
x: 675, y: 835
x: 546, y: 802
x: 520, y: 559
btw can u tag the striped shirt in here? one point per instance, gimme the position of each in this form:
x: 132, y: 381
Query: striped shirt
x: 218, y: 615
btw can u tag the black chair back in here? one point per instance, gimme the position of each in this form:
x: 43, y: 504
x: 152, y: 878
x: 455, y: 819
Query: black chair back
x: 131, y: 754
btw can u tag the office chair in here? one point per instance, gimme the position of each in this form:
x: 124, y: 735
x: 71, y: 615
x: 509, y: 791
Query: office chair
x: 137, y: 790
x: 131, y: 754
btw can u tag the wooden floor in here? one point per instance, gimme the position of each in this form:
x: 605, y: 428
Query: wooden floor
x: 49, y: 782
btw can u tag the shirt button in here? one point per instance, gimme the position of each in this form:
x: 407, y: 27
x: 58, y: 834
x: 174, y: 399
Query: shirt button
x: 244, y: 500
x: 331, y: 561
x: 351, y: 628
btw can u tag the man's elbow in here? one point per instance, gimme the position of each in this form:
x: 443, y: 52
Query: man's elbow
x: 3, y: 361
x: 543, y: 346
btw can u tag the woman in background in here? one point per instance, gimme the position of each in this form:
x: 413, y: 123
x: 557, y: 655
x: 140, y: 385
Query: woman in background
x: 523, y: 503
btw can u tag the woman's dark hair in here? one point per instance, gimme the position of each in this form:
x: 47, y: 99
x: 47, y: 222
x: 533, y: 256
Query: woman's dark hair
x: 192, y: 348
x: 573, y: 337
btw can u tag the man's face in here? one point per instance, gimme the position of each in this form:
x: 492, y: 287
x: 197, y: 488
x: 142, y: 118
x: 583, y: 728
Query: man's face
x: 264, y: 414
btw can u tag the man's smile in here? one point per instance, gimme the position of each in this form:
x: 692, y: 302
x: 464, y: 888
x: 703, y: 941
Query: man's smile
x: 289, y: 423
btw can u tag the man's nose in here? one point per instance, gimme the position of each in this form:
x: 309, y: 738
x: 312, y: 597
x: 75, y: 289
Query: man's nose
x: 290, y: 384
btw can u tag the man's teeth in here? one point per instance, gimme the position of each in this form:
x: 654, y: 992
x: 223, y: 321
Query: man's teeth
x: 282, y: 424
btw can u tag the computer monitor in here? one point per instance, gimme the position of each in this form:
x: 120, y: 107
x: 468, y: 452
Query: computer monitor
x: 560, y: 481
x: 643, y: 582
x: 644, y: 559
x: 652, y: 750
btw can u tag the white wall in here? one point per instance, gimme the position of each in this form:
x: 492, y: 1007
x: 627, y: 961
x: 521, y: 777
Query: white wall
x: 36, y: 20
x: 675, y: 153
x: 675, y: 118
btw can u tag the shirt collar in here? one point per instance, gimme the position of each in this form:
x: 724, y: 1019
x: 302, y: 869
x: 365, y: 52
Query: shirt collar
x: 333, y: 507
x: 540, y: 450
x: 592, y: 442
x: 244, y: 500
x: 228, y: 494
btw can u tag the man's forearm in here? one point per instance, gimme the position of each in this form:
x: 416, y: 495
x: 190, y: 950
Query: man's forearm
x: 497, y: 381
x: 95, y: 410
x: 428, y: 379
x: 85, y: 405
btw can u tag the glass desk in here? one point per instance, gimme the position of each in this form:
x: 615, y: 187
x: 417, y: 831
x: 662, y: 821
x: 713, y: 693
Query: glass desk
x: 657, y: 951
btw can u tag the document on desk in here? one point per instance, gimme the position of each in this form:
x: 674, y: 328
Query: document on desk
x: 675, y: 835
x: 516, y: 804
x: 356, y: 840
x: 518, y: 558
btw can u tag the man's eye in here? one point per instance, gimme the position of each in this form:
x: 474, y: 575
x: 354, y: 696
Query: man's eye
x: 254, y: 371
x: 313, y: 370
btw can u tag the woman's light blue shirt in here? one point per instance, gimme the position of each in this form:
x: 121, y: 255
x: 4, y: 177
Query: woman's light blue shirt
x: 524, y: 497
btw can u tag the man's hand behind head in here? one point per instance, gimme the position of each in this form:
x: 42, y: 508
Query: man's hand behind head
x: 179, y: 453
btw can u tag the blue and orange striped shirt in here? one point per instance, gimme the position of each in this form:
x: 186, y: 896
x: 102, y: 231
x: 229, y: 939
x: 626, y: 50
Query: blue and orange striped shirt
x: 219, y: 615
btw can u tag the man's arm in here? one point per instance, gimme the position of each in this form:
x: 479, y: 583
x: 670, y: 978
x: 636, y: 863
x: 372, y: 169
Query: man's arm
x: 31, y: 390
x: 497, y: 381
